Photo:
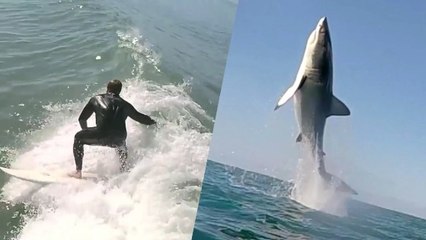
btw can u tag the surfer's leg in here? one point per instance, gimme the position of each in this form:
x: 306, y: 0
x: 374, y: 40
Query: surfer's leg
x: 117, y: 140
x: 78, y: 151
x: 122, y: 154
x: 89, y: 136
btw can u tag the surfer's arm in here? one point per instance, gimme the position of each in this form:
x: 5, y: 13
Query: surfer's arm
x: 139, y: 117
x: 85, y: 114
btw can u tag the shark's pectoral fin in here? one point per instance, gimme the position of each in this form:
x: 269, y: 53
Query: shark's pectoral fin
x: 338, y: 108
x: 299, y: 138
x: 291, y: 91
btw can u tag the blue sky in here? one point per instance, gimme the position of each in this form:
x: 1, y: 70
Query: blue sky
x: 379, y: 54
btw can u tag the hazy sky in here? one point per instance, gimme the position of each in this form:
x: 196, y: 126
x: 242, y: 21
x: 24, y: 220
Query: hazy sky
x: 379, y: 52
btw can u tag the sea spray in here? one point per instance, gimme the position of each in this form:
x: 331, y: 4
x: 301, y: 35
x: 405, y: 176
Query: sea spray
x: 311, y: 190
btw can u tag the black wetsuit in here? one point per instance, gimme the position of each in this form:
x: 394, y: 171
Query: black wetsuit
x: 111, y: 113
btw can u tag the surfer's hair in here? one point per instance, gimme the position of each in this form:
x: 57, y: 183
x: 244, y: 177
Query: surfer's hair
x: 114, y: 86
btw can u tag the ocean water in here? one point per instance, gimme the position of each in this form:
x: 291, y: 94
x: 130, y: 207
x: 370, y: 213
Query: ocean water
x: 238, y: 204
x: 57, y: 54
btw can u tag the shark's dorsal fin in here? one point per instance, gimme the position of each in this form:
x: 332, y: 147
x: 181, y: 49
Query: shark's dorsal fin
x: 291, y: 91
x: 338, y: 108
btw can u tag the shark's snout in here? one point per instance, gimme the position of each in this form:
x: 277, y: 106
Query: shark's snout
x: 322, y: 25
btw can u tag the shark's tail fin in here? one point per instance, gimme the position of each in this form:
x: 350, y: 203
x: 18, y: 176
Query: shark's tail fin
x: 344, y: 187
x: 334, y: 181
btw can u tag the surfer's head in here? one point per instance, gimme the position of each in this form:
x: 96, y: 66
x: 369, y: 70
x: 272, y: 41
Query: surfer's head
x: 114, y: 86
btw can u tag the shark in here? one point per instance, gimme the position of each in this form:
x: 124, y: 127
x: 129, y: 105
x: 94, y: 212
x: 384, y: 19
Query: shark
x: 314, y: 101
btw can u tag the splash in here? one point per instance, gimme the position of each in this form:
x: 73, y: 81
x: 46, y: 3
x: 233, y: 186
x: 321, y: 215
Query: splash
x: 311, y: 190
x: 157, y: 199
x: 142, y: 50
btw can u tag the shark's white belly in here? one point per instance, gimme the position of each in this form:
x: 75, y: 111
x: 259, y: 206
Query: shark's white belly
x: 310, y: 106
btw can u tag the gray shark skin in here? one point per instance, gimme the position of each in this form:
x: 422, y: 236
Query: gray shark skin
x: 313, y: 96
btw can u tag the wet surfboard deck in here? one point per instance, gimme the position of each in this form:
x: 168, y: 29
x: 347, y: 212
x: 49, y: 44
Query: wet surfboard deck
x: 38, y: 176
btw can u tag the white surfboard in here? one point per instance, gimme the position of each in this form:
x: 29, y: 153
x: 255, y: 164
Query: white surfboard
x: 46, y: 177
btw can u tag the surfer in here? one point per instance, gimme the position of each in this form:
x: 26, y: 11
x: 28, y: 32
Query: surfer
x: 111, y: 112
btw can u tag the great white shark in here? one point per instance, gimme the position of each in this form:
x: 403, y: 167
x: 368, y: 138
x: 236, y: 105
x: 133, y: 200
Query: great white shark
x: 313, y: 96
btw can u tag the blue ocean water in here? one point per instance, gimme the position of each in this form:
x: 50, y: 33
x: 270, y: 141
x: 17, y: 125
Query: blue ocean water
x: 56, y: 54
x: 238, y: 204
